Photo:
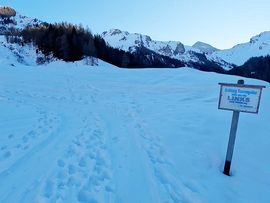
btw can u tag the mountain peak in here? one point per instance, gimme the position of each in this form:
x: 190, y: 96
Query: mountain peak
x: 258, y: 45
x: 7, y: 12
x: 204, y: 47
x: 113, y: 32
x: 262, y: 37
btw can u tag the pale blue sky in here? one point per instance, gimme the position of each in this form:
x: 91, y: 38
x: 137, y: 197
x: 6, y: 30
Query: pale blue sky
x: 222, y: 23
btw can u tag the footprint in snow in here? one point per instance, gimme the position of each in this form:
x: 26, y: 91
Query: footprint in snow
x: 6, y: 154
x: 10, y: 136
x: 61, y: 163
x: 3, y: 147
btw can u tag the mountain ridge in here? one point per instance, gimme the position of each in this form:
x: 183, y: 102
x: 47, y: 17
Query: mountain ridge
x: 259, y: 45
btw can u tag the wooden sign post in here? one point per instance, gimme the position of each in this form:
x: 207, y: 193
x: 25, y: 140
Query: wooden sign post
x: 238, y: 98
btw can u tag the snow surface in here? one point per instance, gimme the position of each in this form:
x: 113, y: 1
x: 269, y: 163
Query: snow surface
x: 15, y: 54
x: 74, y: 134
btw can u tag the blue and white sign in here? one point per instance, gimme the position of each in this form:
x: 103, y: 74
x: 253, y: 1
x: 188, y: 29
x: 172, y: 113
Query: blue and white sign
x: 242, y: 98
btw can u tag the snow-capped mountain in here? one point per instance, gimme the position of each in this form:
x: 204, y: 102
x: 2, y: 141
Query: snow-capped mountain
x: 204, y: 47
x: 17, y: 21
x: 189, y: 54
x: 129, y: 42
x: 239, y: 54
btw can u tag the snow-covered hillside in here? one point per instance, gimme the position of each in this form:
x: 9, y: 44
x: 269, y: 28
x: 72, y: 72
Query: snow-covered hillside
x: 14, y: 54
x: 75, y: 134
x: 239, y: 54
x: 18, y: 22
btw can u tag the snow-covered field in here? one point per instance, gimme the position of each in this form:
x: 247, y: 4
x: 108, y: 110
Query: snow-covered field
x: 102, y: 134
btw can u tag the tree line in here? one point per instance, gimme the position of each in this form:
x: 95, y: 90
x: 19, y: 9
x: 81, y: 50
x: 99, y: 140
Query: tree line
x: 73, y: 42
x: 255, y: 67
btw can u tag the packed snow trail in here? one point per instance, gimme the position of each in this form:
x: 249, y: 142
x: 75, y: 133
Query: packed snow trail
x: 88, y: 135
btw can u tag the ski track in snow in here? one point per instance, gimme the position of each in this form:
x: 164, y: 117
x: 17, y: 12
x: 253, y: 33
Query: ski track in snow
x: 162, y: 168
x: 81, y: 173
x: 25, y: 150
x: 83, y: 166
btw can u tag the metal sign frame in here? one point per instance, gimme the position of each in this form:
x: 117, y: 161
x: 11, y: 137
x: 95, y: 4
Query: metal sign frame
x: 257, y: 87
x: 235, y: 118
